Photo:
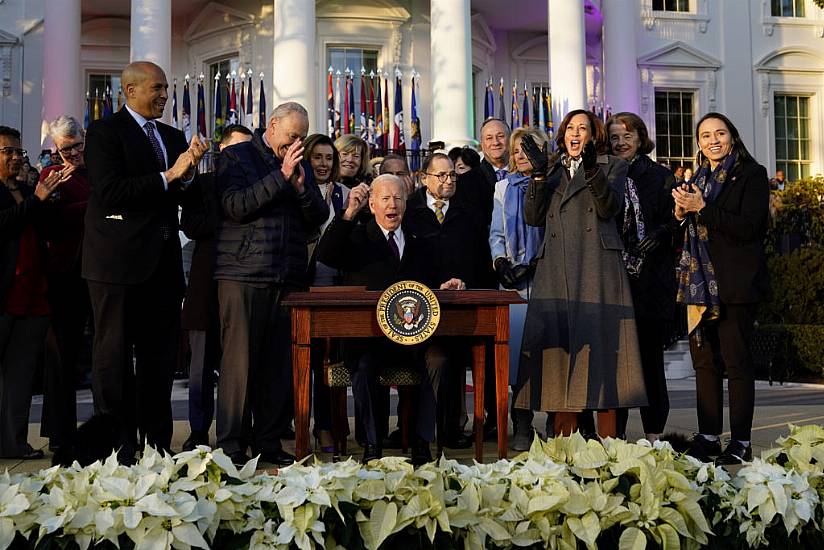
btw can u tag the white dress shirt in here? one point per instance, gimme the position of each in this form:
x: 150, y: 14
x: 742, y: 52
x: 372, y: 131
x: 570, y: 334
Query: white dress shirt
x: 399, y: 239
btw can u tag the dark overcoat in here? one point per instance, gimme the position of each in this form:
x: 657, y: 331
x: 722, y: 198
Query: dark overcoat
x: 580, y: 344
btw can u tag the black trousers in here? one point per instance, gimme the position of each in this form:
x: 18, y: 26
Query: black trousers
x: 365, y: 359
x: 256, y: 367
x: 136, y: 341
x: 725, y: 347
x: 651, y: 341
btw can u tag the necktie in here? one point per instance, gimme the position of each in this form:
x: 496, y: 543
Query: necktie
x: 155, y: 144
x: 393, y: 245
x: 439, y: 211
x: 501, y: 174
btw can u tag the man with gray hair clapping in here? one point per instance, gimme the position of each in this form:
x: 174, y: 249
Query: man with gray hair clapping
x: 271, y: 208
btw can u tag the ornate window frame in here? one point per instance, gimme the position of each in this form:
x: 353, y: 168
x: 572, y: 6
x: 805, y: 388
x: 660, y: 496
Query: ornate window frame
x: 698, y: 15
x: 814, y: 20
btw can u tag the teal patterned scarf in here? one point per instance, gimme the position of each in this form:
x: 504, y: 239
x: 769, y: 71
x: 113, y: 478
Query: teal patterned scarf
x: 697, y: 283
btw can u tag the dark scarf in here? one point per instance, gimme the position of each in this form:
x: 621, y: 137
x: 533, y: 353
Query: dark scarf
x: 697, y: 284
x: 633, y: 230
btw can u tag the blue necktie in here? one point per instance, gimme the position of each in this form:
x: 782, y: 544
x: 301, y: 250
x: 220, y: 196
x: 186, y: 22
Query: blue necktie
x: 155, y: 144
x: 501, y: 174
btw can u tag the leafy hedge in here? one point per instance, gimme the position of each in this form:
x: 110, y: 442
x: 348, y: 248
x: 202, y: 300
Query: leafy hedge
x: 799, y: 211
x: 803, y: 349
x: 565, y: 493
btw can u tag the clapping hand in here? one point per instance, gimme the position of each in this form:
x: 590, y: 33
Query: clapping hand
x: 292, y: 158
x: 197, y: 149
x: 538, y: 158
x: 688, y: 198
x: 358, y: 197
x: 52, y: 181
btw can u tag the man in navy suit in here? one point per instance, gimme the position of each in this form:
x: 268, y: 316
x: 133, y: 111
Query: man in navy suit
x: 138, y: 169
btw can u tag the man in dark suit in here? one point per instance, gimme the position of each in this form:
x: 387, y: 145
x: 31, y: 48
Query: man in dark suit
x: 271, y: 209
x: 138, y: 169
x: 478, y: 185
x: 455, y: 236
x: 376, y: 255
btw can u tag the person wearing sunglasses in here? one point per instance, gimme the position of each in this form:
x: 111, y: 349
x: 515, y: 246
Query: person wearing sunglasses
x: 24, y: 310
x: 68, y: 293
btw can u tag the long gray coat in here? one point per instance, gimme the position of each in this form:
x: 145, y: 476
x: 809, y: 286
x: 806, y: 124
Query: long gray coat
x: 580, y: 344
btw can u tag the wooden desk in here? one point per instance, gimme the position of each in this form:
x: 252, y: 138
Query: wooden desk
x: 351, y: 314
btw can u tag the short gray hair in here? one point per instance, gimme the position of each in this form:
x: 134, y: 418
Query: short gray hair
x: 286, y: 109
x: 390, y: 177
x: 66, y: 126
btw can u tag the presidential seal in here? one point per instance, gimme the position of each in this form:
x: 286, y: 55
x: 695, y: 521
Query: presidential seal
x: 408, y: 312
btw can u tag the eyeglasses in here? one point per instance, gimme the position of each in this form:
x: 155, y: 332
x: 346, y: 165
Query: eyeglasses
x: 443, y: 177
x: 11, y: 151
x: 73, y: 148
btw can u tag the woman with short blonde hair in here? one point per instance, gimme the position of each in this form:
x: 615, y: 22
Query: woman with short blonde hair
x: 354, y: 160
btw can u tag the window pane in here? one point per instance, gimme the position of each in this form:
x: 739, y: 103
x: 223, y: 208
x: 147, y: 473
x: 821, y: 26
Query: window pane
x: 792, y: 148
x: 804, y: 128
x: 799, y: 8
x: 658, y: 5
x: 805, y: 170
x: 804, y: 149
x: 792, y: 107
x: 781, y: 149
x: 780, y: 106
x: 791, y: 171
x: 780, y: 131
x: 803, y: 106
x: 775, y: 6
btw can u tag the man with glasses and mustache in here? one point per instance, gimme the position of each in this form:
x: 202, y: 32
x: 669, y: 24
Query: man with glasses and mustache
x: 454, y: 233
x: 68, y: 293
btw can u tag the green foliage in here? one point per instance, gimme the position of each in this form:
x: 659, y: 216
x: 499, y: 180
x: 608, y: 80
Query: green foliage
x: 797, y: 281
x: 804, y: 348
x: 819, y: 3
x: 799, y: 211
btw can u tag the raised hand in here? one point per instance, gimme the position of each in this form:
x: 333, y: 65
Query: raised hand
x: 292, y: 158
x: 538, y: 158
x: 50, y: 183
x: 358, y: 197
x: 590, y: 156
x: 197, y: 149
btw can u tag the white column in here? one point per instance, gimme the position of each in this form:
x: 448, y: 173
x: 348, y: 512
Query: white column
x: 293, y: 75
x: 63, y: 91
x: 451, y: 43
x: 567, y: 57
x: 151, y: 33
x: 621, y: 77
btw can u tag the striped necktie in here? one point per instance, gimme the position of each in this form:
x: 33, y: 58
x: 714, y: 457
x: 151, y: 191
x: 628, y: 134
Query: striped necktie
x: 439, y: 215
x: 149, y: 126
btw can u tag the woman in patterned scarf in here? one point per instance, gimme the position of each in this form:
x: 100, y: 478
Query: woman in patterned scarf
x: 722, y: 277
x: 649, y: 256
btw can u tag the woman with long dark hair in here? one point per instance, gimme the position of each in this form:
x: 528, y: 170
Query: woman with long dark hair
x: 646, y: 230
x: 722, y: 277
x: 580, y: 348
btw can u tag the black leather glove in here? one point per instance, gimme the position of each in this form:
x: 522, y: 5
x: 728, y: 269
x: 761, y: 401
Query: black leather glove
x: 589, y: 157
x: 538, y: 158
x: 503, y: 267
x: 521, y: 272
x: 653, y: 240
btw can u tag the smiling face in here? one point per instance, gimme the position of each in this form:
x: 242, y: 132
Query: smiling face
x: 146, y: 89
x: 714, y: 140
x: 522, y: 164
x: 11, y: 160
x: 350, y: 163
x: 283, y: 132
x: 577, y: 133
x: 387, y: 201
x: 624, y: 143
x: 440, y: 168
x: 322, y: 160
x: 494, y: 143
x: 70, y: 149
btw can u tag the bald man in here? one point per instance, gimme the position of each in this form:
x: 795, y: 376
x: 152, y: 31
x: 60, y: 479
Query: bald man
x: 138, y: 170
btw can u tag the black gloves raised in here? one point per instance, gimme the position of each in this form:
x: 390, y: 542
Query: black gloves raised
x: 538, y: 158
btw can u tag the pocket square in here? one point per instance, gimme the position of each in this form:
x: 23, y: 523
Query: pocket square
x: 115, y: 217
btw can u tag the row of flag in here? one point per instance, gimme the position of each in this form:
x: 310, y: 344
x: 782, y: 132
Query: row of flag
x: 100, y: 106
x: 541, y: 111
x: 371, y: 122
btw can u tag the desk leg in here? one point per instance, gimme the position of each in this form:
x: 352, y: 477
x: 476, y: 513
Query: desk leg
x: 300, y: 373
x: 478, y: 376
x: 502, y: 376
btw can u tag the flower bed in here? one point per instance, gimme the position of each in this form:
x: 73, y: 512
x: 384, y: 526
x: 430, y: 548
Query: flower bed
x: 565, y: 493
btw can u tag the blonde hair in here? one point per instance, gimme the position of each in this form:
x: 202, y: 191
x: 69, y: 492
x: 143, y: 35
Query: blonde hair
x: 349, y: 143
x: 538, y: 135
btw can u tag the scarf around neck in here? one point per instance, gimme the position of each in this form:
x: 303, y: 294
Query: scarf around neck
x: 522, y: 240
x: 697, y: 282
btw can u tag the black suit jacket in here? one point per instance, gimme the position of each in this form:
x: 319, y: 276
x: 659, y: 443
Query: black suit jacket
x: 457, y: 248
x: 362, y: 252
x: 477, y: 187
x: 737, y: 224
x: 129, y: 207
x: 14, y: 218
